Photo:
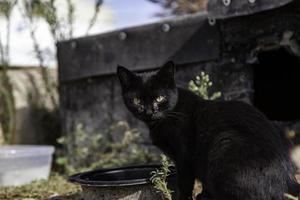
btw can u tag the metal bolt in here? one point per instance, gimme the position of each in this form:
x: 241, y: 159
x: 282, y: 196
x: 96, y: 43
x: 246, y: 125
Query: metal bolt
x: 211, y: 21
x: 99, y: 46
x: 166, y: 27
x: 73, y: 45
x: 122, y: 36
x: 227, y: 2
x: 252, y: 1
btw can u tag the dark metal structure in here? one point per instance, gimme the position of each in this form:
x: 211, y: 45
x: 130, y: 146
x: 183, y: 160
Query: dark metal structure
x: 229, y: 42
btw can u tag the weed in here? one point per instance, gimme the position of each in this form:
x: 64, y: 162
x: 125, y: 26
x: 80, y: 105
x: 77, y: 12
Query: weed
x: 89, y: 152
x: 159, y: 177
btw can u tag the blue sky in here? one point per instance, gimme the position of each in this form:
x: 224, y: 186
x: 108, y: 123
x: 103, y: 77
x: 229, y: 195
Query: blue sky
x: 133, y: 12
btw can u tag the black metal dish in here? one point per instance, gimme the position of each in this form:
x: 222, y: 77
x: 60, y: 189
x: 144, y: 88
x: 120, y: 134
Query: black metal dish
x: 116, y: 177
x: 132, y: 182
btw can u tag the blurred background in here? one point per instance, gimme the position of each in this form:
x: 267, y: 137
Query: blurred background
x: 58, y: 85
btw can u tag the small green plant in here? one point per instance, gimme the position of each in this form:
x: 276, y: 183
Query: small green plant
x: 91, y: 151
x: 201, y: 87
x: 159, y: 177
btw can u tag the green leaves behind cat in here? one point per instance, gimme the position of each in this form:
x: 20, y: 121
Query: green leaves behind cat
x: 202, y: 85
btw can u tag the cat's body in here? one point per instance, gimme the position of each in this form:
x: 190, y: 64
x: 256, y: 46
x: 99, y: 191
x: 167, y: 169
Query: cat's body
x: 230, y: 147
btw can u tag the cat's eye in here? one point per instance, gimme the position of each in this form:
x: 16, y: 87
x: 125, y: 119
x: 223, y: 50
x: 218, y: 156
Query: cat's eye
x: 160, y: 99
x: 136, y: 101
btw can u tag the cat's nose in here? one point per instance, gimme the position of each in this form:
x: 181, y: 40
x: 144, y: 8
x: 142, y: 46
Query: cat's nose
x: 149, y: 112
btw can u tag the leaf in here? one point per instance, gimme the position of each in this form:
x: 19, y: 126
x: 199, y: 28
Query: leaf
x: 61, y: 160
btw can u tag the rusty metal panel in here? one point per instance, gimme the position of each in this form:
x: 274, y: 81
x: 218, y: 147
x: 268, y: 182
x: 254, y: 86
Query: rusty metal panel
x: 221, y: 9
x: 185, y: 39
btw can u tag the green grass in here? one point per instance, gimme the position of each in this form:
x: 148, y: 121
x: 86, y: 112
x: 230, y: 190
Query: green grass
x: 56, y: 188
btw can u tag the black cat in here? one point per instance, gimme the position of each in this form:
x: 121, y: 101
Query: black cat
x: 236, y: 152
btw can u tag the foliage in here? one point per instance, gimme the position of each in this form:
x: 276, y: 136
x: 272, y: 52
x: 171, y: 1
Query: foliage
x: 159, y: 178
x: 60, y: 28
x: 101, y: 150
x: 47, y: 11
x: 6, y: 7
x: 38, y: 190
x: 7, y: 111
x: 92, y: 22
x: 201, y: 87
x: 183, y: 6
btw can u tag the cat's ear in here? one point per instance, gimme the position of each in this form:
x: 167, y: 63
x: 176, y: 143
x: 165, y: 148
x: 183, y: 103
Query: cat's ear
x: 168, y: 70
x: 126, y: 77
x: 166, y: 74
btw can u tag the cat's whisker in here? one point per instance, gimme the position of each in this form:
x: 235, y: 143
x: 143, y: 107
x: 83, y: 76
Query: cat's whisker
x: 176, y: 116
x: 177, y: 113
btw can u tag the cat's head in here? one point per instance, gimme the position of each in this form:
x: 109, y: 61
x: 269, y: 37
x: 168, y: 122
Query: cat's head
x: 150, y: 95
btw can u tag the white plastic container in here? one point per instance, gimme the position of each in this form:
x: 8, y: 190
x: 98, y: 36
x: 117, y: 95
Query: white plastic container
x: 21, y: 164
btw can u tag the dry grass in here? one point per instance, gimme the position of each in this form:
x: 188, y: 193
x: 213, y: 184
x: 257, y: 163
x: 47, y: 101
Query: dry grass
x: 191, y: 6
x: 56, y: 188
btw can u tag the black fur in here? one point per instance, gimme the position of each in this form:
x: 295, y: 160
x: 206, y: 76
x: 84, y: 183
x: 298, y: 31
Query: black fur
x: 231, y: 147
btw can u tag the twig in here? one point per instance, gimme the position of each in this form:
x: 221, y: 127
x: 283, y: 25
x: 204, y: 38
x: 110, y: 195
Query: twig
x: 95, y: 15
x: 71, y: 9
